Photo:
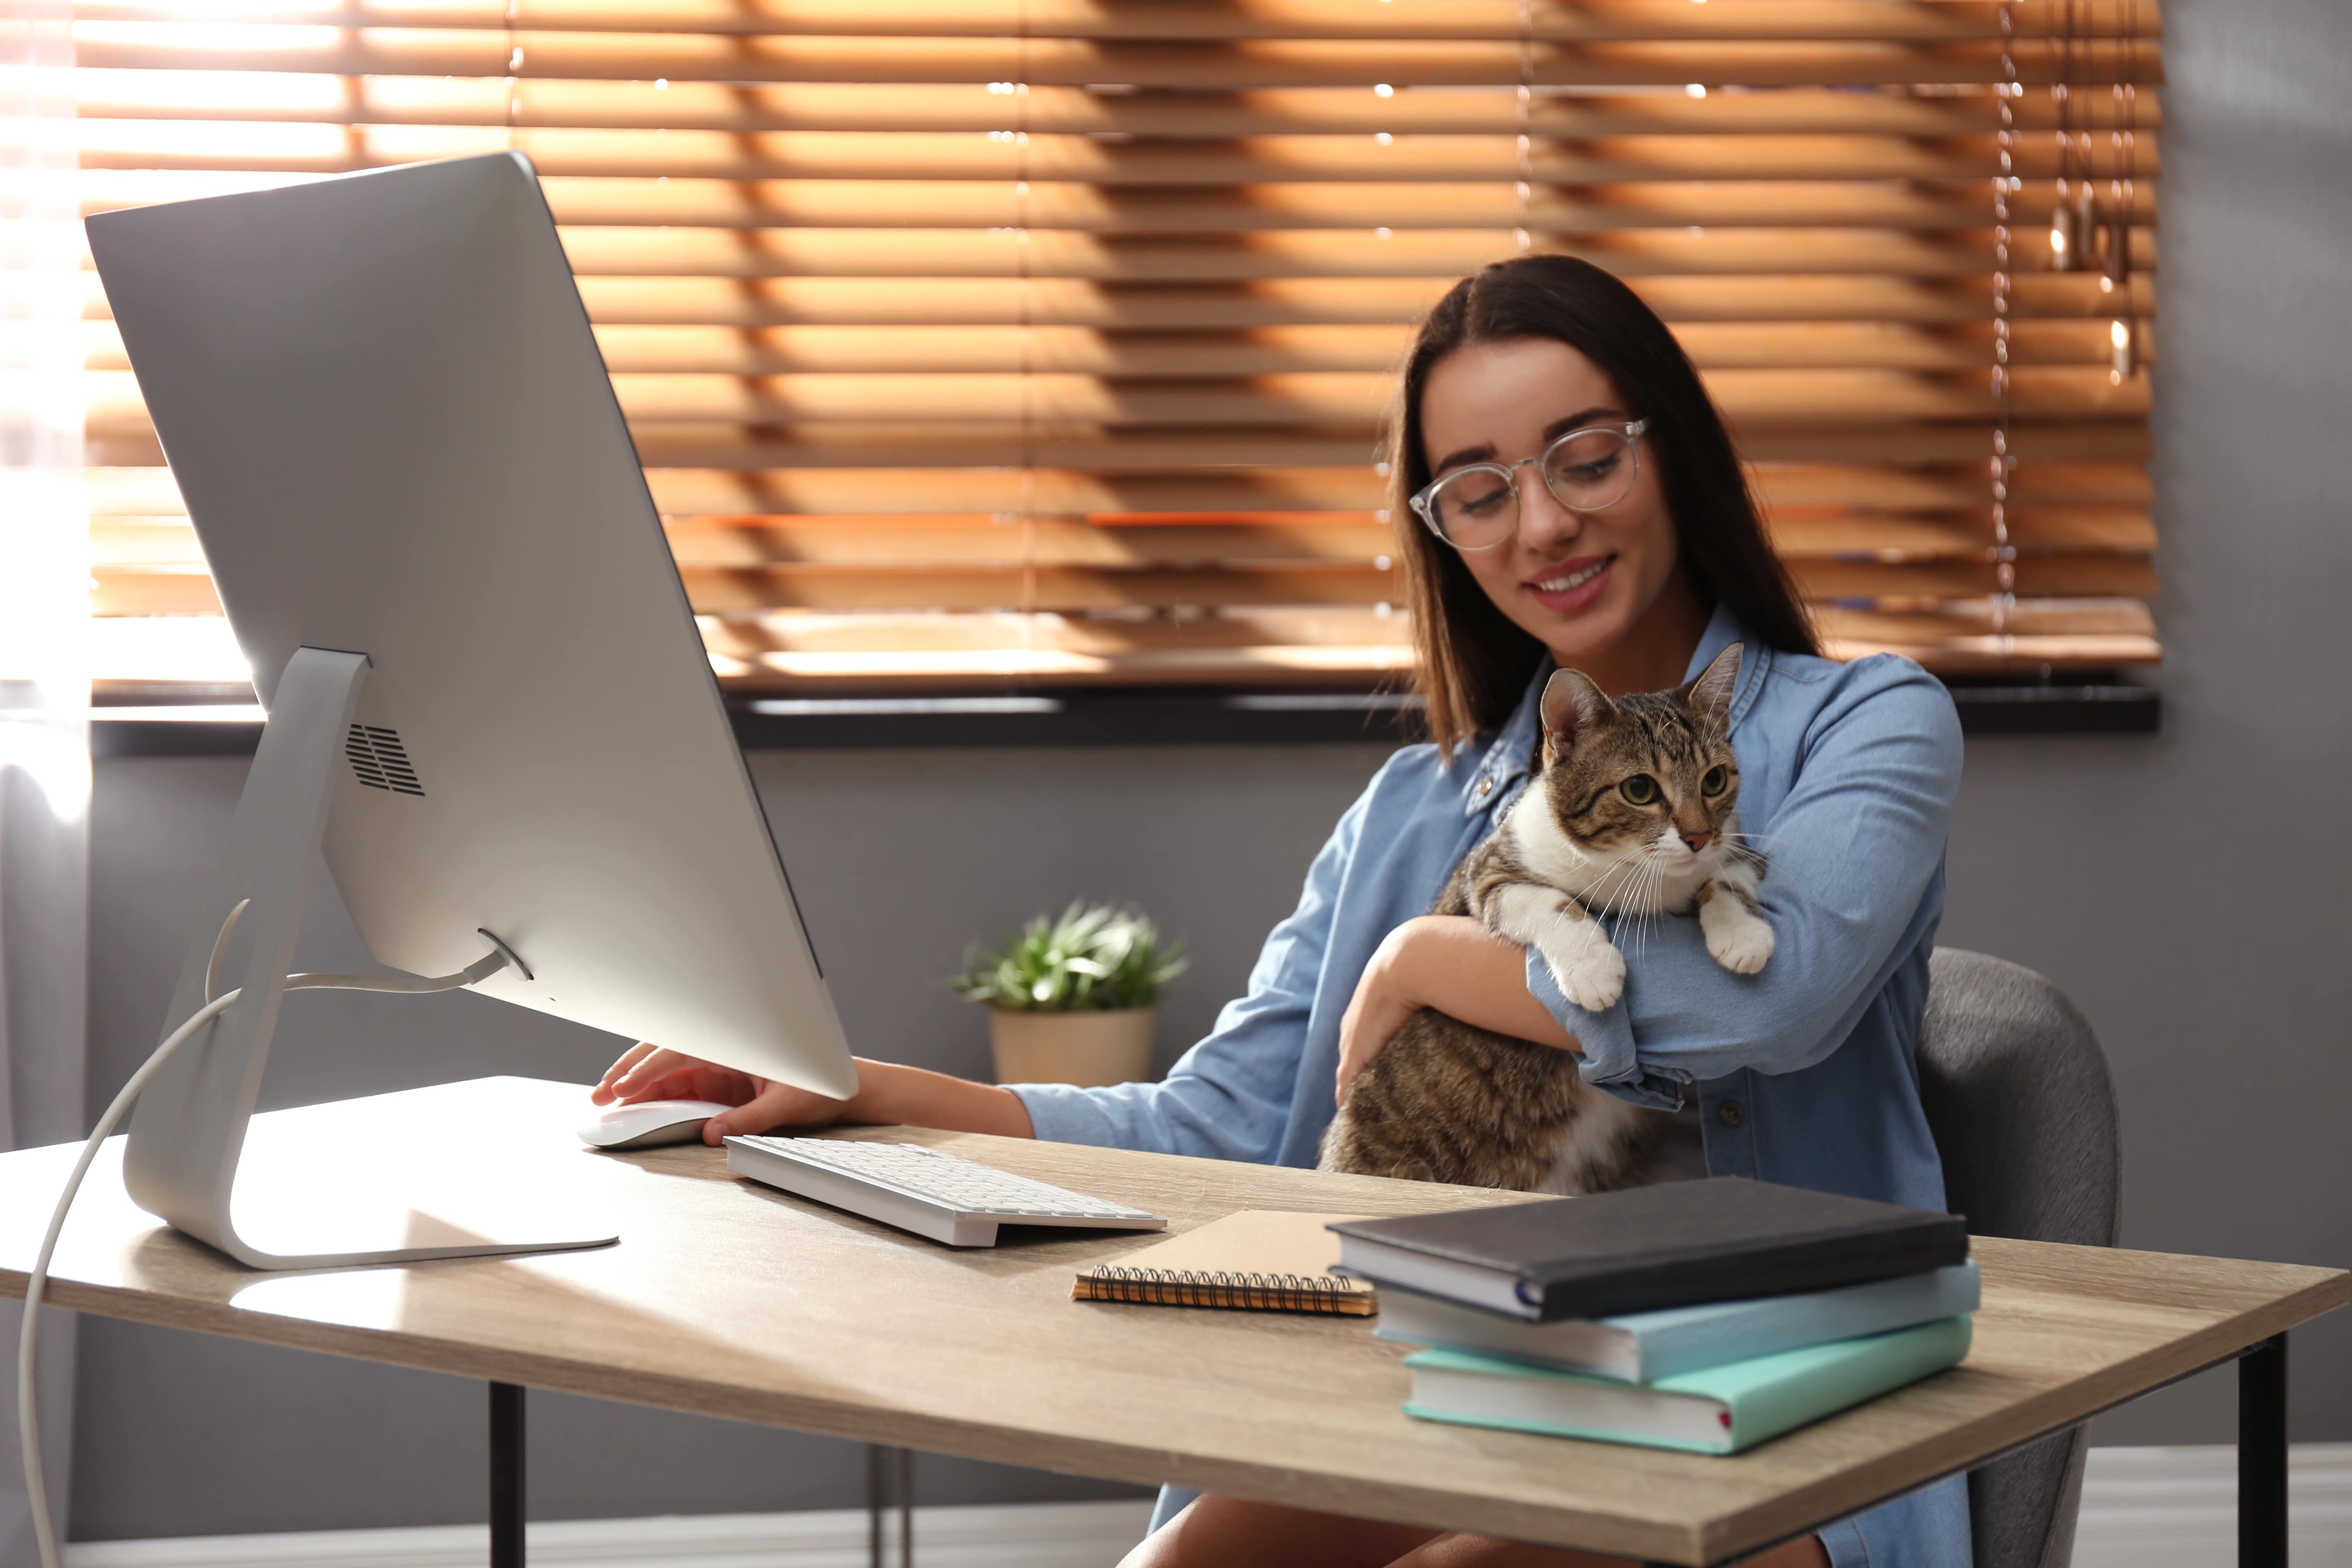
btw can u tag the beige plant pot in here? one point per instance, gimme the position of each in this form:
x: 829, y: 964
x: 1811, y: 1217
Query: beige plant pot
x: 1089, y: 1049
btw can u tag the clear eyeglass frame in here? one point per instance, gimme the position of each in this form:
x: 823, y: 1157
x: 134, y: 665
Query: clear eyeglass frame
x: 1424, y: 507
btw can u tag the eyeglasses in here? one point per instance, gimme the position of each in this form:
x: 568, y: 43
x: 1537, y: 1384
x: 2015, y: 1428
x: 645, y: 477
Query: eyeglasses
x: 1477, y: 507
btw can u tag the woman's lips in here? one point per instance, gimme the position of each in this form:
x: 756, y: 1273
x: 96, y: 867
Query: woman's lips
x: 1573, y: 586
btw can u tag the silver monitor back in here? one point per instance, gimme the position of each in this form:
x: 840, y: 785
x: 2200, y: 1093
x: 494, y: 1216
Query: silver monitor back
x: 395, y: 437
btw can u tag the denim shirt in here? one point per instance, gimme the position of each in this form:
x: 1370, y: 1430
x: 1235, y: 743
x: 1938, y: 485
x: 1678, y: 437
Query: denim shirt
x: 1803, y: 1073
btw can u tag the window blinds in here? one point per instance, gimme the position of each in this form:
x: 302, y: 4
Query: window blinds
x: 969, y: 341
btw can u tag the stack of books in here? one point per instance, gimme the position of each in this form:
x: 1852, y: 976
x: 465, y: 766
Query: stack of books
x: 1705, y: 1315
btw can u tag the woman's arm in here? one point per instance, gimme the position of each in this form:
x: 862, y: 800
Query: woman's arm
x: 888, y: 1095
x: 1454, y: 964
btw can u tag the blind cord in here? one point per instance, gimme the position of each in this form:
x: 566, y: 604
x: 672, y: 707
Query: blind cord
x: 28, y: 1434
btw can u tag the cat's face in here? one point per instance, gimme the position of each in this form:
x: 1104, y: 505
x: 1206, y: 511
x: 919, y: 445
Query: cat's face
x: 1649, y: 777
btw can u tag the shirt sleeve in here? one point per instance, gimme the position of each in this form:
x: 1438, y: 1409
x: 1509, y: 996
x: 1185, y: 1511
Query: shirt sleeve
x: 1229, y: 1097
x: 1851, y: 854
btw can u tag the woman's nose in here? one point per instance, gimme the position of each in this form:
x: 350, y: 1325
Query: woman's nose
x: 1543, y: 524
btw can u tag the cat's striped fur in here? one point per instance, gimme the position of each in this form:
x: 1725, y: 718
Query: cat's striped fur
x: 1446, y: 1102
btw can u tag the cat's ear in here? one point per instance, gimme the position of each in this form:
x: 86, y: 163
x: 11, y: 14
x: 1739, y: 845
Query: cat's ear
x: 1711, y: 692
x: 1572, y: 704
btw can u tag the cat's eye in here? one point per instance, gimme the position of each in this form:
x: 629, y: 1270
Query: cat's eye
x: 1714, y: 782
x: 1641, y: 789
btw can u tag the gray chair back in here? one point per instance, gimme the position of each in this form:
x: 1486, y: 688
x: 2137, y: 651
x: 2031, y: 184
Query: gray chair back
x: 2024, y: 1112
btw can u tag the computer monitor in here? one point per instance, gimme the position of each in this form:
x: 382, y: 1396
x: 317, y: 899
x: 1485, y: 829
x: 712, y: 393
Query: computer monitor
x: 395, y: 437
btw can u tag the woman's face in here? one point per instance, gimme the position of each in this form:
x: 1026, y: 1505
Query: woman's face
x: 1579, y: 582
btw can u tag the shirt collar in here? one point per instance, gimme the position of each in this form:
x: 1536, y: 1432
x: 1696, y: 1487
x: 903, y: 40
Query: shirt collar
x: 1511, y: 757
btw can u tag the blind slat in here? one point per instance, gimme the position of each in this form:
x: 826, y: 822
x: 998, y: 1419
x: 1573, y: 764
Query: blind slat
x: 1059, y: 302
x: 1747, y: 396
x: 1069, y: 590
x: 206, y: 95
x: 1588, y: 21
x: 686, y: 56
x: 1407, y: 206
x: 756, y: 486
x: 1697, y: 276
x: 1933, y: 472
x: 1275, y: 351
x: 714, y: 545
x: 325, y: 148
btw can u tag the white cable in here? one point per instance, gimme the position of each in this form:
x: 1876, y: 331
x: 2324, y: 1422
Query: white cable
x: 45, y: 1534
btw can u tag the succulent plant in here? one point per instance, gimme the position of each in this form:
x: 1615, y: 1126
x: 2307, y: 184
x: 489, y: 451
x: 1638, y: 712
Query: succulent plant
x: 1090, y: 960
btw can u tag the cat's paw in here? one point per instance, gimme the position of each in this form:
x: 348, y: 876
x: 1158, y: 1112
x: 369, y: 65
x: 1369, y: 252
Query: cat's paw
x: 1590, y: 971
x: 1740, y: 944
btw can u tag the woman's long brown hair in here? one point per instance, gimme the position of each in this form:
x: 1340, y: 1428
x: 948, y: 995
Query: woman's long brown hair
x: 1472, y: 663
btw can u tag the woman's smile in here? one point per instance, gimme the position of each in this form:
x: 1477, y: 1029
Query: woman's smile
x: 1569, y: 586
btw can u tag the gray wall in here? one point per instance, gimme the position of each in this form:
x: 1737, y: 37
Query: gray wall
x: 2180, y: 888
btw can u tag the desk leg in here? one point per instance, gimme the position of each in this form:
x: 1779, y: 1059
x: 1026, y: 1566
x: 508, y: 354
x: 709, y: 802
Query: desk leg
x: 877, y: 1466
x: 506, y: 1476
x: 2262, y: 1455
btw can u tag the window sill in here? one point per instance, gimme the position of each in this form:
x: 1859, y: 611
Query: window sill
x: 1111, y: 718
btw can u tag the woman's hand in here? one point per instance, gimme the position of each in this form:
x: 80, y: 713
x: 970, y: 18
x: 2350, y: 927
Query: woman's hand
x: 888, y: 1094
x: 646, y: 1071
x: 1384, y: 999
x: 1454, y: 964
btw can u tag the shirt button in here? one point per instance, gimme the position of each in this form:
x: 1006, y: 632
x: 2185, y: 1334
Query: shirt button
x: 1486, y: 788
x: 1729, y: 1114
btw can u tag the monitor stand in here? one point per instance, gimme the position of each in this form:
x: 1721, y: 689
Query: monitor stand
x: 188, y: 1134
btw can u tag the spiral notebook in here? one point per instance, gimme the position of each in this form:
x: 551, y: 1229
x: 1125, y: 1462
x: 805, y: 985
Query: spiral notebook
x: 1263, y: 1259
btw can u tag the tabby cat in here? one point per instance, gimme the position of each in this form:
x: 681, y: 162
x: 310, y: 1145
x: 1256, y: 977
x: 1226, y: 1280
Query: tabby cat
x: 1633, y: 814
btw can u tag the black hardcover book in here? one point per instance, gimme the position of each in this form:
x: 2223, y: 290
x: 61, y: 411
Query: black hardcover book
x: 1676, y: 1245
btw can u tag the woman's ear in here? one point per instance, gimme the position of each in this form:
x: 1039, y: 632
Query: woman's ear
x: 1572, y: 704
x: 1711, y: 692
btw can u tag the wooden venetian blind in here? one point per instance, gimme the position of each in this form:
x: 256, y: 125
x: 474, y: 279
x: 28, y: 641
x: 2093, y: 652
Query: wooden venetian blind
x: 968, y: 341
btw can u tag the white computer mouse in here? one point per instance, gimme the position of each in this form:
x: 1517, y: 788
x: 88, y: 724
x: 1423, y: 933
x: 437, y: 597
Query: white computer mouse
x: 650, y: 1123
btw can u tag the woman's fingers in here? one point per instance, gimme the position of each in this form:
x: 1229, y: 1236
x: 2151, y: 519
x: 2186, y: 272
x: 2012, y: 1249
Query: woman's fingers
x: 662, y: 1074
x: 646, y: 1074
x: 605, y: 1091
x: 775, y: 1105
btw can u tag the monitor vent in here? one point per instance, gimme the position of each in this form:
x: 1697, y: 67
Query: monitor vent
x: 379, y: 760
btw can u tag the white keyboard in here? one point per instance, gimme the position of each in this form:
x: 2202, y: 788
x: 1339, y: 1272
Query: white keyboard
x: 943, y: 1197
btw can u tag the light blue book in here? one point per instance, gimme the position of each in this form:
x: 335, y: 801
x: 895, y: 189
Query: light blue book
x: 1716, y: 1410
x: 1643, y: 1347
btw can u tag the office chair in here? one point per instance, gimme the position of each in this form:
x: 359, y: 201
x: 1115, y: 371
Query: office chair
x: 2019, y: 1101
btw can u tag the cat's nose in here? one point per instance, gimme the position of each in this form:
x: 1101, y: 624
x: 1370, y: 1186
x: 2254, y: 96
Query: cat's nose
x: 1698, y: 841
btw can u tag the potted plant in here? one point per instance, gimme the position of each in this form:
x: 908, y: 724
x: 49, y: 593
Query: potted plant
x: 1071, y: 1000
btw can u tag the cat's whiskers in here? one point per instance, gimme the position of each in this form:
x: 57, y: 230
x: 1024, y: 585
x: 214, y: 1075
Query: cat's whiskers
x: 1744, y: 846
x: 1650, y: 904
x: 1632, y: 868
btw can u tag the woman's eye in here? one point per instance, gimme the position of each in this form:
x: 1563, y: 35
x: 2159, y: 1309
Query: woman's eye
x: 1641, y: 789
x: 1714, y: 782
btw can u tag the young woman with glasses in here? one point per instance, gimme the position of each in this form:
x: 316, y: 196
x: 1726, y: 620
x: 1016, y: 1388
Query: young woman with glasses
x: 1565, y: 495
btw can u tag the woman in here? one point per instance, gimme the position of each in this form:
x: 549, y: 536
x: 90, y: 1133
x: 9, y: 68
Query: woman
x: 1553, y: 372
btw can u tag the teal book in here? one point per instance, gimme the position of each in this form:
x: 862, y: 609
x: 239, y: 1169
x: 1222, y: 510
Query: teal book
x: 1716, y: 1410
x: 1643, y: 1347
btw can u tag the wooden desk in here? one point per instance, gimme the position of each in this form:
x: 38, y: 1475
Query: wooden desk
x: 728, y: 1298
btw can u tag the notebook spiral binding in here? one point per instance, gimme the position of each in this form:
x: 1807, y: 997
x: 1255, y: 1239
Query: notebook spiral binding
x: 1190, y: 1287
